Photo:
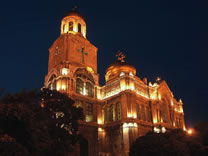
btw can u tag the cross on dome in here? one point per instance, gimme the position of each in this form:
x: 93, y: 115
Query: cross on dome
x: 120, y: 56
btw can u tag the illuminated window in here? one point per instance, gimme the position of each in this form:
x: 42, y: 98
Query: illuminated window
x: 143, y: 113
x: 79, y: 86
x: 88, y: 112
x: 79, y: 104
x: 112, y: 113
x: 138, y: 112
x: 164, y: 112
x: 179, y: 123
x: 106, y: 117
x: 118, y: 110
x: 89, y: 89
x: 52, y: 82
x: 70, y: 26
x: 158, y: 115
x: 79, y: 28
x: 148, y: 114
x: 171, y: 116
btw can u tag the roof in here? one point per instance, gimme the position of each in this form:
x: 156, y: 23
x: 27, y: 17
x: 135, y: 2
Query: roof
x: 73, y: 13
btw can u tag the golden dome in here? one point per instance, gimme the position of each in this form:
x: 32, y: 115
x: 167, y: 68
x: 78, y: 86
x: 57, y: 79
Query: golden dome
x: 119, y: 67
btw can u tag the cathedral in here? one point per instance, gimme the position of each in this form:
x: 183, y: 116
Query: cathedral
x: 116, y: 113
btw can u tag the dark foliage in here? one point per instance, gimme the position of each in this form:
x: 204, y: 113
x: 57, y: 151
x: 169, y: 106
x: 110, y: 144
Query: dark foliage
x: 201, y: 130
x: 33, y: 130
x: 173, y: 143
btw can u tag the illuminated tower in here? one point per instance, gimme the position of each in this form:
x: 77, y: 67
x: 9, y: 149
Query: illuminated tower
x: 72, y: 69
x: 72, y: 55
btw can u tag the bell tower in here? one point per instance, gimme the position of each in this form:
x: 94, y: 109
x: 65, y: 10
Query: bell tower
x: 69, y: 52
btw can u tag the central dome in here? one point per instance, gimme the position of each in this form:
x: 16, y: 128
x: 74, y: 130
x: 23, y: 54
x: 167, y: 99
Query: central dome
x: 120, y: 67
x: 124, y: 66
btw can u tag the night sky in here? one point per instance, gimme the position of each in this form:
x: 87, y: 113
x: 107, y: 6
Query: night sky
x: 160, y: 38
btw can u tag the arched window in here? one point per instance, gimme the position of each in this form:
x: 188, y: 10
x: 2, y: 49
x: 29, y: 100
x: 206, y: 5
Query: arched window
x: 112, y: 113
x: 89, y: 89
x: 148, y: 114
x: 143, y: 113
x: 79, y: 28
x: 158, y: 115
x: 52, y: 82
x: 88, y: 112
x: 106, y: 115
x: 164, y: 112
x: 118, y: 110
x: 79, y: 86
x: 138, y: 112
x: 177, y: 122
x: 70, y: 26
x: 171, y: 116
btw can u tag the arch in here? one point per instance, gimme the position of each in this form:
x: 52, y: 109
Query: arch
x: 63, y: 27
x: 79, y: 86
x: 112, y: 112
x: 106, y: 116
x: 164, y: 112
x: 81, y: 74
x: 143, y: 117
x: 148, y: 114
x: 89, y: 89
x: 79, y: 28
x: 88, y: 112
x: 52, y: 82
x: 71, y: 26
x: 138, y: 112
x: 118, y: 110
x: 84, y: 74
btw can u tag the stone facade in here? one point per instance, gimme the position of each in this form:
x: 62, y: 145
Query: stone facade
x: 115, y: 114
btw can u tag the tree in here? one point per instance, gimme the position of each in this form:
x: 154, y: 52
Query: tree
x: 202, y: 132
x: 37, y: 129
x: 8, y: 146
x: 173, y: 143
x: 65, y: 115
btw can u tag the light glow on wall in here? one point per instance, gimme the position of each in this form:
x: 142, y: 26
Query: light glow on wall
x: 179, y: 111
x: 163, y: 130
x: 64, y: 71
x: 58, y: 87
x: 130, y: 74
x: 154, y: 120
x: 132, y: 115
x: 172, y: 104
x: 123, y: 85
x: 128, y: 125
x: 122, y: 74
x: 99, y: 121
x: 159, y: 97
x: 156, y: 130
x: 63, y: 87
x: 89, y: 69
x: 101, y: 130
